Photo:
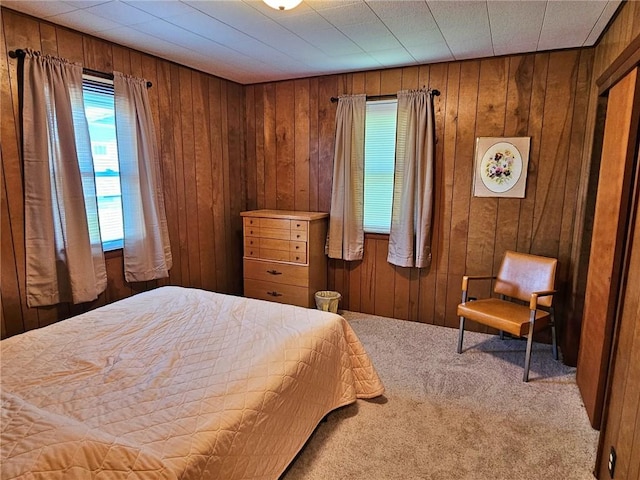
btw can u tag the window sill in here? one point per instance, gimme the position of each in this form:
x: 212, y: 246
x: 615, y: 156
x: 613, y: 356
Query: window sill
x: 117, y: 253
x: 376, y: 236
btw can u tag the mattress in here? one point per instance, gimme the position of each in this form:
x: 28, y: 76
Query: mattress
x: 175, y: 383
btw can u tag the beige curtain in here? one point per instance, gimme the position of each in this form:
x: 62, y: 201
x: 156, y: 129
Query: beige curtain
x: 410, y: 237
x: 147, y: 253
x: 346, y: 232
x: 64, y: 259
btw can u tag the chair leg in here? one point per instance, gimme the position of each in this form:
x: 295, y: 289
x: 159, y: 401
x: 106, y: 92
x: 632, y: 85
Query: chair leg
x: 527, y: 358
x: 460, y: 334
x: 554, y: 340
x: 502, y: 297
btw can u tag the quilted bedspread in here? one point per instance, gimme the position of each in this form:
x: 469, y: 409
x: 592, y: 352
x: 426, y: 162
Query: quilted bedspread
x: 175, y: 383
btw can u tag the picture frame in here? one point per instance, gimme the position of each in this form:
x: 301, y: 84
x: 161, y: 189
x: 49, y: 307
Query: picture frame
x: 500, y: 167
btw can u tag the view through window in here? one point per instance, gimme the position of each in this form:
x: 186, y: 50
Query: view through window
x: 100, y: 113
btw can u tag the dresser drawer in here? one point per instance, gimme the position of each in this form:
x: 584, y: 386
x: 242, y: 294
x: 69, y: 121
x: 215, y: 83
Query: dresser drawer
x: 276, y: 272
x: 275, y: 223
x: 251, y: 231
x: 299, y: 226
x: 277, y: 292
x: 281, y: 256
x: 298, y: 257
x: 298, y: 247
x: 298, y: 235
x: 275, y: 244
x: 278, y: 255
x: 251, y: 242
x: 251, y: 222
x: 275, y: 233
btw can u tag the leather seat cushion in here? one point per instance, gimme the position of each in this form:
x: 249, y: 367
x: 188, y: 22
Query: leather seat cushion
x: 503, y: 315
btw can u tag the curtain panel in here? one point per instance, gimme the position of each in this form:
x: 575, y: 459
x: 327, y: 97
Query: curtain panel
x: 346, y: 232
x: 64, y: 258
x: 410, y: 236
x: 146, y: 251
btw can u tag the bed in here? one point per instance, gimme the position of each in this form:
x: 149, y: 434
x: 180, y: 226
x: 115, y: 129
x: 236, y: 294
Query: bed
x: 175, y: 383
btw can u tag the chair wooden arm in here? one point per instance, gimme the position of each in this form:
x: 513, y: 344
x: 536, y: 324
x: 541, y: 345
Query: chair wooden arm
x: 466, y: 278
x: 533, y: 303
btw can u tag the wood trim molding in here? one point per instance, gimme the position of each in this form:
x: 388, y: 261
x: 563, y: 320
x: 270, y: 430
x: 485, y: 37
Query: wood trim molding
x: 621, y: 66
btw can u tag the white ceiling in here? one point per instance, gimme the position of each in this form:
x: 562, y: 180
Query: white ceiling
x: 248, y: 42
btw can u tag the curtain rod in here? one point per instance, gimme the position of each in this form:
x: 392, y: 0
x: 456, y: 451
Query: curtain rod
x: 20, y: 53
x: 434, y: 92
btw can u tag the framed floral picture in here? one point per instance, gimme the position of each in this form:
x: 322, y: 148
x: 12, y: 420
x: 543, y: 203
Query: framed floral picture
x: 500, y: 168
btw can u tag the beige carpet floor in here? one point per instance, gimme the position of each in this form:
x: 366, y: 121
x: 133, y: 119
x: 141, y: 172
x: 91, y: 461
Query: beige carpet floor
x: 449, y: 416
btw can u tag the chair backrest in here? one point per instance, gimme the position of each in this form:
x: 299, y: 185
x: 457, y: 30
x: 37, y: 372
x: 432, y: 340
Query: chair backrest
x: 521, y: 274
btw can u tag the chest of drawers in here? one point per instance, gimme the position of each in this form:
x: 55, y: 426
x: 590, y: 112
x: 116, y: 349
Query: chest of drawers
x: 284, y: 259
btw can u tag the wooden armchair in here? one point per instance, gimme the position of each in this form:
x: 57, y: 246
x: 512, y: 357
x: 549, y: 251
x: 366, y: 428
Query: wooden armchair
x: 522, y: 277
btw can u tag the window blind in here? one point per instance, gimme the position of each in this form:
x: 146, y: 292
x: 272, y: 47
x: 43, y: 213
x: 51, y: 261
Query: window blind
x: 379, y: 161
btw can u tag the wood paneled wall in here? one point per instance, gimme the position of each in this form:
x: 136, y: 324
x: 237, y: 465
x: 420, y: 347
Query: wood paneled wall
x: 623, y: 30
x: 199, y: 123
x: 290, y: 131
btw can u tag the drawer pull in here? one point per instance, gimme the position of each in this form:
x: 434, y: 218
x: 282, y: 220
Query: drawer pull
x: 297, y: 236
x: 274, y: 272
x: 274, y: 294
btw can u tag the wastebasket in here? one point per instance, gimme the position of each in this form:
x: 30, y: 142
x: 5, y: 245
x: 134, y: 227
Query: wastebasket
x: 327, y: 300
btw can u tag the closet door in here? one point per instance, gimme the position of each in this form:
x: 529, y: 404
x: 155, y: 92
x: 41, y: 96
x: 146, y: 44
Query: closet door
x: 621, y: 420
x: 612, y: 212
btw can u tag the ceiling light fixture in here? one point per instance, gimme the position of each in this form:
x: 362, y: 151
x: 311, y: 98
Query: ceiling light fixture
x: 283, y: 4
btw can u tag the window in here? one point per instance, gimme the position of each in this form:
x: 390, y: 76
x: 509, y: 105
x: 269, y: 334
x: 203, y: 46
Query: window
x: 379, y: 161
x: 100, y: 111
